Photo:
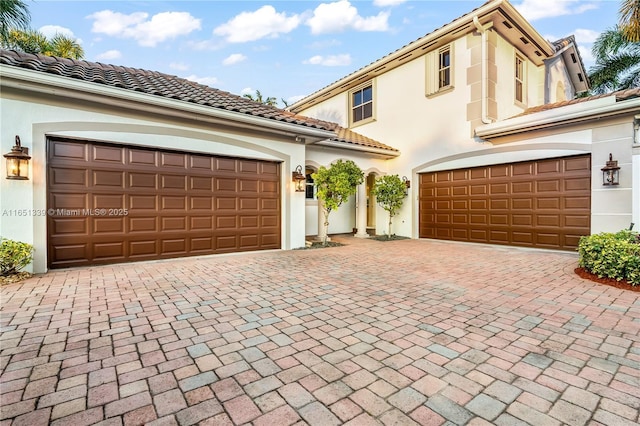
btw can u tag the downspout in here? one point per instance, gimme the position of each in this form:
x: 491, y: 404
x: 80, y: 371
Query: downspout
x: 483, y: 67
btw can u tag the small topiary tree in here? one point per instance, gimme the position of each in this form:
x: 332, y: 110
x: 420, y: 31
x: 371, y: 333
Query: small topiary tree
x: 14, y: 255
x: 390, y: 192
x: 335, y: 185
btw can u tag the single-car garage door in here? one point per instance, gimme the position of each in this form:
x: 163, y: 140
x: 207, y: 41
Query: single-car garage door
x: 544, y: 203
x: 113, y: 203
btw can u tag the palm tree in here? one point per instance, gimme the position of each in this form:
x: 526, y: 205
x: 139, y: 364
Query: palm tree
x: 13, y: 14
x: 271, y: 101
x: 32, y: 41
x: 630, y: 19
x: 617, y: 64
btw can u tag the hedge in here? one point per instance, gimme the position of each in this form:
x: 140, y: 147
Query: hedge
x: 611, y: 255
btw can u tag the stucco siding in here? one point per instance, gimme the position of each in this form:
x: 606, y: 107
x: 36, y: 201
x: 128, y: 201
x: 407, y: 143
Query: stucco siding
x: 34, y: 119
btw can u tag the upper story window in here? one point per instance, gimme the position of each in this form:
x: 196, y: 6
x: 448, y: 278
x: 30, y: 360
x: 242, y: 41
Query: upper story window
x: 519, y: 79
x: 444, y: 68
x: 439, y: 70
x: 362, y: 104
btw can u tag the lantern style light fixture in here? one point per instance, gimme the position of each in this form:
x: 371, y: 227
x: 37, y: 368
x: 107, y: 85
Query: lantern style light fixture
x: 407, y: 183
x: 611, y: 172
x: 18, y: 162
x: 299, y: 179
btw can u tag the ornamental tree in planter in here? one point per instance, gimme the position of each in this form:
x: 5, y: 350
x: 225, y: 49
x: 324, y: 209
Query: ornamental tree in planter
x: 335, y: 185
x: 390, y: 192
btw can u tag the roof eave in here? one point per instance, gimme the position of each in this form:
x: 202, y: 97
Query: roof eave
x: 570, y: 114
x: 387, y: 153
x: 38, y: 82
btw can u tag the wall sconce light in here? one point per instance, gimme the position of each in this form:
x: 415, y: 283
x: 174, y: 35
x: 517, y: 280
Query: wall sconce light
x: 18, y: 162
x: 299, y: 179
x: 407, y: 183
x: 611, y: 172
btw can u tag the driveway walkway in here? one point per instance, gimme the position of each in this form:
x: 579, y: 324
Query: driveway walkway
x: 369, y: 333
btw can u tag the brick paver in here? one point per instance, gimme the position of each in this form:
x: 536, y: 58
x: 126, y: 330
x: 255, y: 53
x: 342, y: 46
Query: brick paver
x: 403, y: 332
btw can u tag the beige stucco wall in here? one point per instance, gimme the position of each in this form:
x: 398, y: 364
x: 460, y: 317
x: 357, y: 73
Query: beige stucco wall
x: 33, y: 119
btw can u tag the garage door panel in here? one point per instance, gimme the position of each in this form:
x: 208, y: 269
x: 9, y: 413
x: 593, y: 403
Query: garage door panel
x: 110, y: 250
x: 460, y: 175
x: 173, y: 160
x: 577, y: 164
x: 442, y: 177
x: 499, y: 188
x: 108, y: 154
x: 460, y: 191
x: 543, y: 203
x: 171, y: 202
x: 173, y: 224
x: 143, y: 180
x: 581, y: 221
x: 111, y: 179
x: 548, y: 186
x: 577, y: 203
x: 70, y: 177
x: 108, y: 201
x: 143, y: 248
x: 174, y: 182
x: 443, y: 192
x: 143, y: 224
x: 176, y: 204
x: 141, y: 157
x: 68, y: 201
x: 499, y: 204
x: 105, y: 225
x: 443, y: 218
x: 70, y: 225
x: 143, y: 202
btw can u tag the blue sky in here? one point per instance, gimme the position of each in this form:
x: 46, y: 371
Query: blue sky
x: 286, y: 49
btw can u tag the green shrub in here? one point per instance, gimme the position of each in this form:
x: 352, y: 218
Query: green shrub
x: 14, y: 256
x: 612, y: 255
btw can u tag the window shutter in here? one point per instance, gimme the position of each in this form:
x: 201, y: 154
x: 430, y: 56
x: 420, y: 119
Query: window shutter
x: 431, y: 83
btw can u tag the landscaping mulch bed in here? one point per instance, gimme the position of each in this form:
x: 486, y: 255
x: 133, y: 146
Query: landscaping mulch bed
x: 386, y: 238
x: 624, y: 285
x: 14, y: 278
x: 318, y: 245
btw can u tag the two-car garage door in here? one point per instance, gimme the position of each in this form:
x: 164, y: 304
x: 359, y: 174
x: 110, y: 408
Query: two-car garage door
x: 113, y: 203
x: 543, y: 203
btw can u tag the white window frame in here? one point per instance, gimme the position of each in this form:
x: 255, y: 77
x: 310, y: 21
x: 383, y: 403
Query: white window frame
x: 435, y: 68
x: 522, y: 80
x: 352, y: 107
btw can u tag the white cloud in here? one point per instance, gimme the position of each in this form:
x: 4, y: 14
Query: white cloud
x: 51, y: 30
x: 247, y: 91
x: 339, y: 16
x: 584, y: 36
x: 109, y: 55
x: 385, y: 3
x: 293, y: 99
x: 234, y: 59
x: 205, y: 45
x: 148, y: 32
x: 587, y: 56
x: 330, y: 60
x: 208, y: 81
x: 538, y: 9
x: 179, y: 66
x: 251, y: 26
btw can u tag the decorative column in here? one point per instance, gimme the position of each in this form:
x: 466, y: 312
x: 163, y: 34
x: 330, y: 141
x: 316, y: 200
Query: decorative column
x: 361, y: 208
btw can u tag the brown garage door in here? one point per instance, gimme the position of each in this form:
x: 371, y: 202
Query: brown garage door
x: 544, y: 203
x: 110, y: 203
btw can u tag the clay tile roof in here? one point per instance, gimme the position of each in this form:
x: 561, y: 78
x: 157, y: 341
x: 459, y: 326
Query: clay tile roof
x: 348, y: 136
x: 621, y: 95
x: 173, y: 87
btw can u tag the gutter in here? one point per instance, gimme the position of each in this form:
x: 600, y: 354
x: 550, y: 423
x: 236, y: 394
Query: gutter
x: 570, y: 114
x: 38, y: 82
x: 482, y: 29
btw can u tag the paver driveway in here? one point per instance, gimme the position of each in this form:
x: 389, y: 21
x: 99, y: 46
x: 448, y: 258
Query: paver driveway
x: 369, y: 333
